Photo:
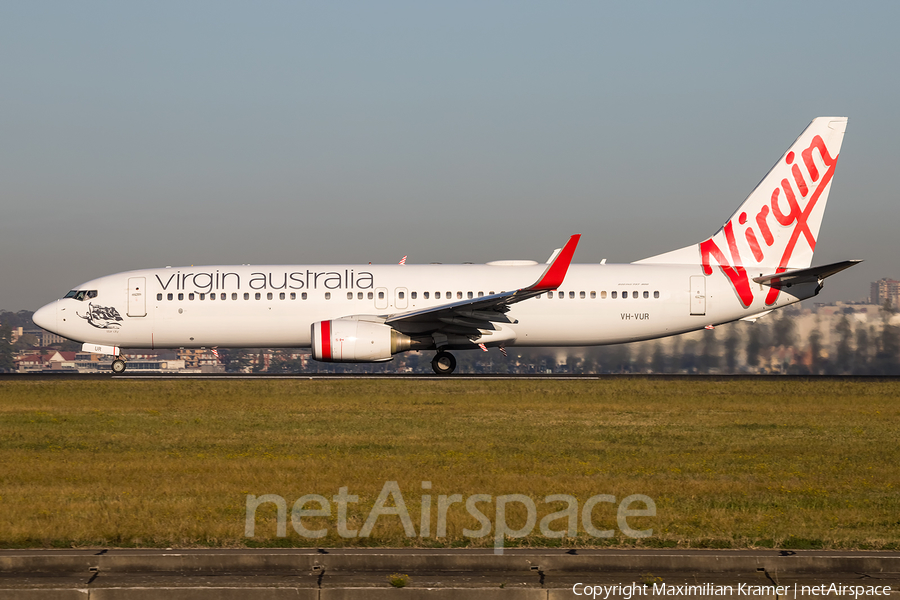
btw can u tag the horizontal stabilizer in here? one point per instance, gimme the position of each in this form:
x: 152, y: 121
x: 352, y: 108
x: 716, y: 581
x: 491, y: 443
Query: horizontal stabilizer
x: 756, y: 317
x: 809, y: 274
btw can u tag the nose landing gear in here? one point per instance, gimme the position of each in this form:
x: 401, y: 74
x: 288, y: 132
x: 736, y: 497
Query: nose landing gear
x: 118, y: 366
x: 443, y: 363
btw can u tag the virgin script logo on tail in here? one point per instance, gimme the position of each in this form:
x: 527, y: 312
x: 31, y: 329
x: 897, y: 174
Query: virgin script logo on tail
x: 781, y: 216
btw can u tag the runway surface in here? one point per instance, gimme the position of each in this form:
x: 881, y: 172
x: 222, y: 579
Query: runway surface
x: 63, y: 376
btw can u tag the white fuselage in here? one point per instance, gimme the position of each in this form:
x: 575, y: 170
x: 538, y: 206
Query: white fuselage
x: 274, y: 306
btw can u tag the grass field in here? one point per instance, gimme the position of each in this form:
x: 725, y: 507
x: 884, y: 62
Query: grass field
x: 793, y: 464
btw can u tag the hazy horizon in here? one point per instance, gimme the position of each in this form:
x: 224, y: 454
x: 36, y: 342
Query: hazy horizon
x: 140, y: 136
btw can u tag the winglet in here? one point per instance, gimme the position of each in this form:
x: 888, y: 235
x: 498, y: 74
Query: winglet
x: 556, y: 272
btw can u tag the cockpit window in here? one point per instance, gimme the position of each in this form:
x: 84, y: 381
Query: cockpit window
x: 82, y: 294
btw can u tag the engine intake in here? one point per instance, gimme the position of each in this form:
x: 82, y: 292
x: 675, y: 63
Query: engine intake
x: 352, y: 340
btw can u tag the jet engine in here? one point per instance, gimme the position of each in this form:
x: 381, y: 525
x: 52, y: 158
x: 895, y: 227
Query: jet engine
x: 353, y: 340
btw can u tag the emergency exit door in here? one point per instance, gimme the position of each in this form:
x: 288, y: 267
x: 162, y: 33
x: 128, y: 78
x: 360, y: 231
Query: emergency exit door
x: 400, y: 299
x: 698, y: 295
x: 381, y: 298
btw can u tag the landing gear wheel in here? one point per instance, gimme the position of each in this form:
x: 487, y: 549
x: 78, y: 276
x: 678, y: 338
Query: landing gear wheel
x: 118, y: 366
x: 443, y: 363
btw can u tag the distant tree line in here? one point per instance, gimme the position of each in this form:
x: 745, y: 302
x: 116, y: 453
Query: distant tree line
x: 8, y: 322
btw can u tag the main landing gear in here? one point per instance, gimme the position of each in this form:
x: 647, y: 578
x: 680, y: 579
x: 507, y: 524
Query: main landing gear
x: 443, y: 363
x: 118, y: 365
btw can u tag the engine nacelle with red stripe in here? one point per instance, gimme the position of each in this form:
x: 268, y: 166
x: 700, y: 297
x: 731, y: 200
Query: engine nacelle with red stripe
x: 352, y: 340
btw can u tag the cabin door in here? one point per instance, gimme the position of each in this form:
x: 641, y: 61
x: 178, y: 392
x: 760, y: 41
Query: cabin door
x: 698, y: 295
x: 137, y: 297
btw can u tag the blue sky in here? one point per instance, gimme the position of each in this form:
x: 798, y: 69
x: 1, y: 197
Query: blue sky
x: 139, y: 135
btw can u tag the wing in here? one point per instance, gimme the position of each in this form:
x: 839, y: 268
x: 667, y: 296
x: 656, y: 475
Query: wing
x: 476, y: 317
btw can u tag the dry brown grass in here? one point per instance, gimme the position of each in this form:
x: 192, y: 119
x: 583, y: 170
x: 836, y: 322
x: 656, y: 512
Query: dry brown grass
x: 729, y: 464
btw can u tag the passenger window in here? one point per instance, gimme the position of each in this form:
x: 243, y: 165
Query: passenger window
x: 180, y: 296
x: 269, y: 296
x: 303, y: 296
x: 223, y: 296
x: 380, y: 295
x: 281, y: 296
x: 612, y: 295
x: 191, y: 296
x: 369, y: 296
x: 593, y: 295
x: 656, y: 294
x: 211, y: 296
x: 572, y: 295
x: 425, y: 294
x: 470, y: 295
x: 293, y: 295
x: 413, y: 295
x: 258, y: 296
x: 168, y: 296
x: 349, y: 295
x: 359, y: 296
x: 328, y: 295
x: 158, y: 296
x: 646, y: 294
x: 582, y: 295
x: 480, y: 294
x: 401, y: 295
x: 560, y: 295
x: 603, y: 295
x: 437, y: 295
x: 234, y: 295
x: 549, y: 294
x: 203, y: 296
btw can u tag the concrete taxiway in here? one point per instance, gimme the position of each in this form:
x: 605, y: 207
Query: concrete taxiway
x: 326, y: 574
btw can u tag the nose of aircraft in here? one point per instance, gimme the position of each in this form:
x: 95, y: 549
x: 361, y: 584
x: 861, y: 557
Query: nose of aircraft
x: 45, y: 317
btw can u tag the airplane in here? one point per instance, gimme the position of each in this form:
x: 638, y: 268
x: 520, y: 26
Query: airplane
x: 758, y: 261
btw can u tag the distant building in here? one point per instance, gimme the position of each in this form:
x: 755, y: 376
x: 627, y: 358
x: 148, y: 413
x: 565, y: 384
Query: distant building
x: 45, y: 338
x: 885, y: 290
x: 87, y: 362
x: 197, y: 358
x: 54, y: 361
